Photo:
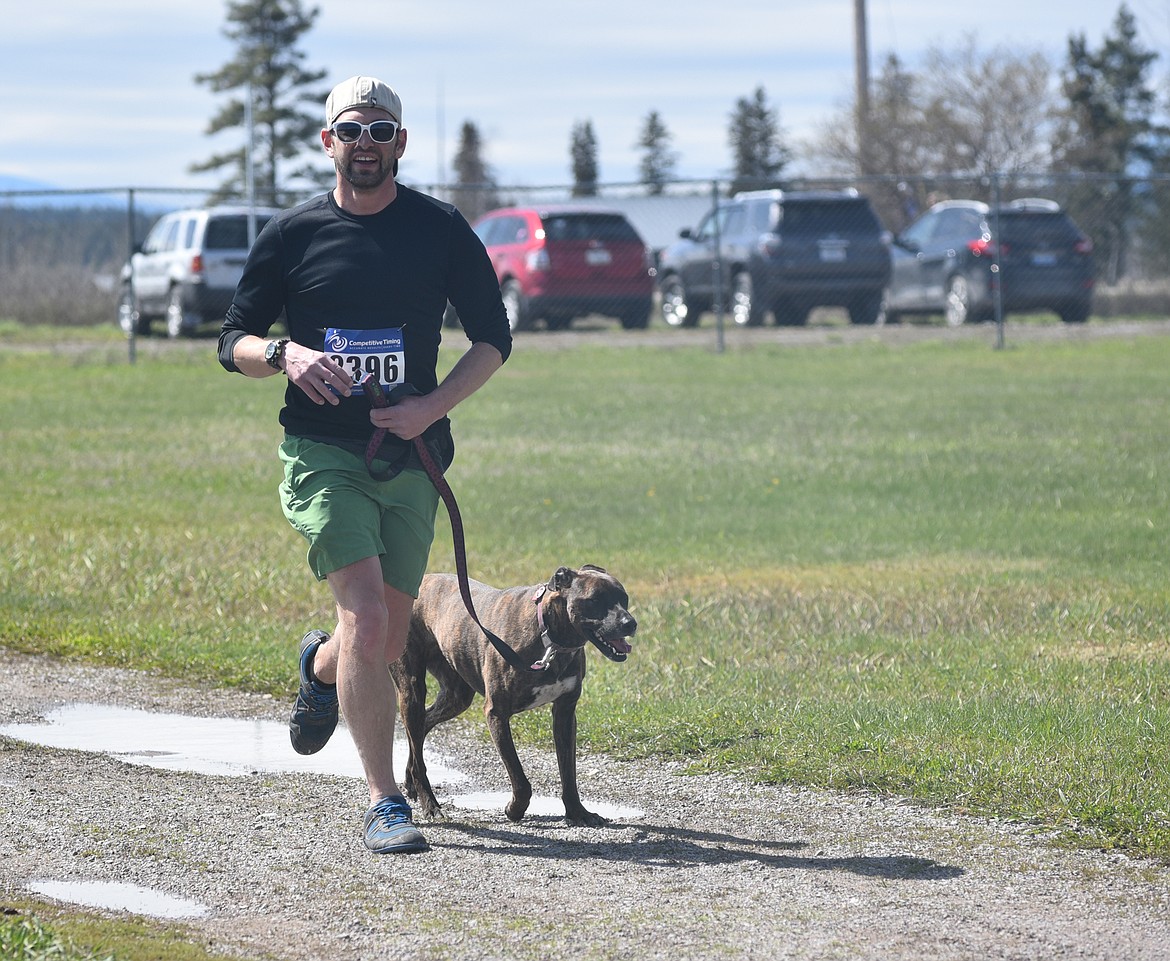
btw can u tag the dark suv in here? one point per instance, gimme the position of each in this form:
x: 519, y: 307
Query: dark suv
x: 563, y: 261
x: 949, y: 260
x: 783, y: 251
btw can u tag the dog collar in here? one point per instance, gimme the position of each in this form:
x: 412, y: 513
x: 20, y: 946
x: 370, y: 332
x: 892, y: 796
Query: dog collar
x: 550, y: 646
x: 537, y: 598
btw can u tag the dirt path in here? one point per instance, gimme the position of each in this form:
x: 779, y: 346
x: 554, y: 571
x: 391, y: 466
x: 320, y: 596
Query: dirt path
x: 715, y: 869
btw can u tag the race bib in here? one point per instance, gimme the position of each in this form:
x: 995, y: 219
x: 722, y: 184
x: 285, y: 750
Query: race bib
x: 377, y: 353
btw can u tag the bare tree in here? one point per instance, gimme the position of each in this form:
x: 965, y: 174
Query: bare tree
x: 989, y: 113
x: 965, y: 115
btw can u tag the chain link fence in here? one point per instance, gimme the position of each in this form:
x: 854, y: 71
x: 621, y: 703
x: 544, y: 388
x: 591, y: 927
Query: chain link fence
x: 62, y: 252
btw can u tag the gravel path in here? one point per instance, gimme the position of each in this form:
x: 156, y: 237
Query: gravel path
x: 716, y: 868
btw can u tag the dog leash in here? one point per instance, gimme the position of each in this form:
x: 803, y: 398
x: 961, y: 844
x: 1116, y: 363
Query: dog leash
x: 379, y: 398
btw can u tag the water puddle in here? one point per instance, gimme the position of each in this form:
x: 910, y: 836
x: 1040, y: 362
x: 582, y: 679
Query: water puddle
x: 119, y: 897
x: 202, y: 745
x: 236, y: 748
x: 540, y: 805
x: 223, y: 747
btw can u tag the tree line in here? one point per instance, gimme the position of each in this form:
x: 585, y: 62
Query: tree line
x: 964, y: 111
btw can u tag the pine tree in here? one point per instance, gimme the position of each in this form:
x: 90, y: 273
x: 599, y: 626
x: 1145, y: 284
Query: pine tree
x: 268, y: 63
x: 475, y: 189
x: 583, y: 152
x: 755, y: 138
x: 658, y: 160
x: 1109, y: 129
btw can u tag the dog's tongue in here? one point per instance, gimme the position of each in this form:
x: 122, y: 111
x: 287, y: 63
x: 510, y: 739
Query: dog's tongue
x: 621, y: 645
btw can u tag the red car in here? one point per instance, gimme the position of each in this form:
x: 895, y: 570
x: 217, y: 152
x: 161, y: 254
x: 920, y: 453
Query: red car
x: 563, y: 261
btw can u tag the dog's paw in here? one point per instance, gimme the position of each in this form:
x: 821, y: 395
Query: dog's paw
x: 586, y: 819
x: 435, y: 813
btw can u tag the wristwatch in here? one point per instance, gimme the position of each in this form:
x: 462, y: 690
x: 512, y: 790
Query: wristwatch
x: 274, y: 353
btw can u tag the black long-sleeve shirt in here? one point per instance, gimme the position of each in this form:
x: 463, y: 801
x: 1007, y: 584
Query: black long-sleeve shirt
x: 326, y: 268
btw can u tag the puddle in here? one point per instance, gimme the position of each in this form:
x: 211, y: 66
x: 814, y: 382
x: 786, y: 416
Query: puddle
x: 119, y: 897
x: 540, y: 805
x: 236, y: 748
x: 219, y: 746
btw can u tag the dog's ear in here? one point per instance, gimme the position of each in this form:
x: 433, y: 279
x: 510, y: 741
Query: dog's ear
x: 561, y: 579
x: 594, y: 567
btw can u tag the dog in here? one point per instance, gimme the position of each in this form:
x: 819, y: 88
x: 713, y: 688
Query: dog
x: 551, y: 623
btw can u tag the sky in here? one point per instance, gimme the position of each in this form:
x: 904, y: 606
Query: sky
x: 114, y: 79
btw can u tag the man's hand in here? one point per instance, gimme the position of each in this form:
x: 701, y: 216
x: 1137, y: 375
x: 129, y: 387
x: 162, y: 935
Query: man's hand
x: 409, y: 416
x: 314, y: 373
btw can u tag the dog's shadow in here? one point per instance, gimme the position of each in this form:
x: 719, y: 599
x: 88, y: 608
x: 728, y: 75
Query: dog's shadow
x: 653, y: 845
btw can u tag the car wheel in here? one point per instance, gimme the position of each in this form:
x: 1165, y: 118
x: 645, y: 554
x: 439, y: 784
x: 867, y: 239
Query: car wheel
x: 450, y: 317
x: 867, y: 310
x: 745, y: 309
x: 676, y: 312
x: 179, y: 321
x: 558, y: 321
x: 637, y: 318
x: 958, y: 303
x: 790, y: 313
x: 1076, y: 313
x: 130, y: 318
x: 516, y: 304
x: 885, y: 314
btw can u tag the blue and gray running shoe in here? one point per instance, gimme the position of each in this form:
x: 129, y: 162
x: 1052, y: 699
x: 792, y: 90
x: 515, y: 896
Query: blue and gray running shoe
x: 314, y: 715
x: 388, y: 829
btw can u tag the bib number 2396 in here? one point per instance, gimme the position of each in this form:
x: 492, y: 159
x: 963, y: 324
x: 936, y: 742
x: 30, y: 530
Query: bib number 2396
x: 377, y: 353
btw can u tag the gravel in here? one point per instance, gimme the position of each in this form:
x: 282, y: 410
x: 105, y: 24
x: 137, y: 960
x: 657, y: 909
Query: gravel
x: 716, y: 868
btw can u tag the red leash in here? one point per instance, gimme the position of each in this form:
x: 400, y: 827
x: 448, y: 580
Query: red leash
x: 378, y: 398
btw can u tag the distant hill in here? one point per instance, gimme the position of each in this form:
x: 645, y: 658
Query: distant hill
x: 12, y: 182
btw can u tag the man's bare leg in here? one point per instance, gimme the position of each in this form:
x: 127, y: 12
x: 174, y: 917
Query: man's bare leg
x: 372, y: 623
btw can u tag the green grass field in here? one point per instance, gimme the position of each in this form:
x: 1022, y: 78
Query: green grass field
x: 936, y: 571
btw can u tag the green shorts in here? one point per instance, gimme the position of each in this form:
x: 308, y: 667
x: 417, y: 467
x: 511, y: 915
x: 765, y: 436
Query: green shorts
x: 346, y: 516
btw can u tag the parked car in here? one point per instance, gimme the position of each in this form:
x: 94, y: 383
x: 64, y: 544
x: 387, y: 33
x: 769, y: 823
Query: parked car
x: 780, y: 251
x: 559, y: 262
x: 950, y: 260
x: 186, y: 270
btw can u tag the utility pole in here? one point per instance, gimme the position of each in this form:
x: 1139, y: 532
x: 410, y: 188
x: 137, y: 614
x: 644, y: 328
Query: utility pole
x: 861, y: 79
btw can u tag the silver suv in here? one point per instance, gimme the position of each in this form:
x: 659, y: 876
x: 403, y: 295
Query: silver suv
x: 187, y: 269
x: 779, y: 251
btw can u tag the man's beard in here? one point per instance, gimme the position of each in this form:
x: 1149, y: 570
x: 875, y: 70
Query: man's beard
x: 365, y: 177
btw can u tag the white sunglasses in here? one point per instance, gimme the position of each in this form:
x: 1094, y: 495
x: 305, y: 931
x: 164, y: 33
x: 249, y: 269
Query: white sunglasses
x: 380, y: 131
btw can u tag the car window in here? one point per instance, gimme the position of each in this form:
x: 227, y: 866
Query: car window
x: 605, y: 227
x: 957, y: 225
x: 736, y: 220
x: 1039, y: 230
x: 761, y: 216
x: 154, y: 239
x: 170, y: 239
x: 513, y: 230
x: 230, y: 232
x: 817, y: 217
x: 707, y: 227
x: 917, y: 235
x: 714, y: 222
x: 189, y: 226
x: 485, y: 229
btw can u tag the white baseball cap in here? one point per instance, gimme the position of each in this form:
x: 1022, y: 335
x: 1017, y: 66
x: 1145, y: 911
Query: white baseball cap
x: 361, y: 92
